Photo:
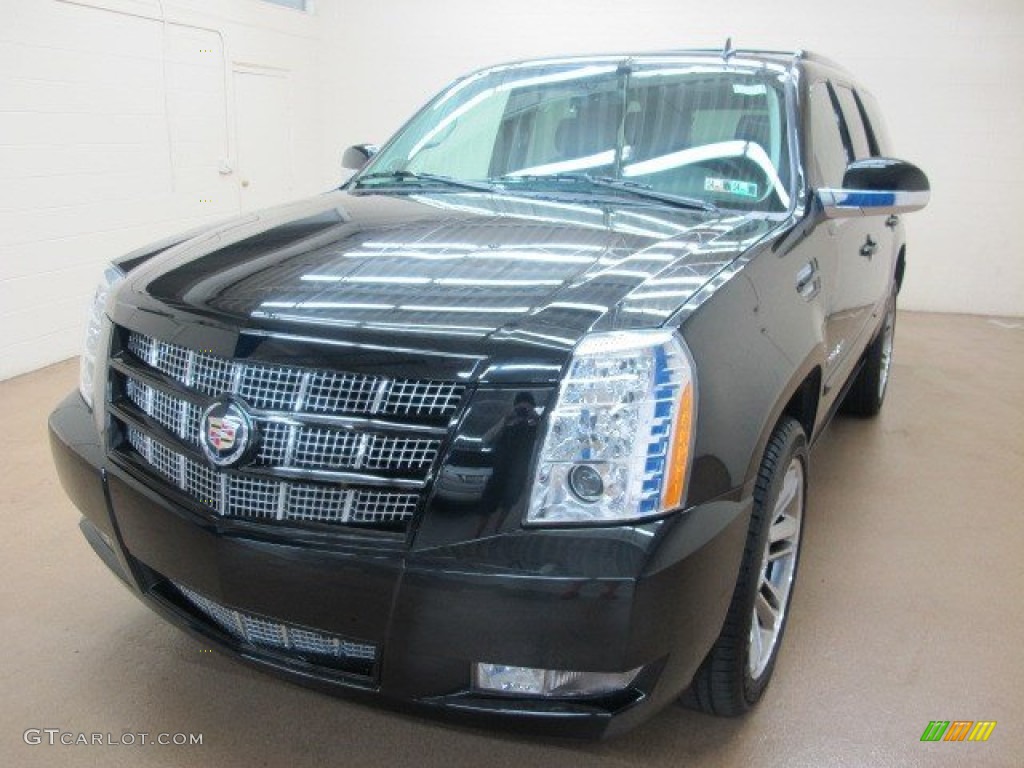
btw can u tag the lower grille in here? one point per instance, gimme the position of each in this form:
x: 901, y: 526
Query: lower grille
x: 271, y: 499
x: 316, y: 647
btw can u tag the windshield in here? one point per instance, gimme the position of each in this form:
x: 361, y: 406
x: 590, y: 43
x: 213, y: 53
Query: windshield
x: 711, y: 133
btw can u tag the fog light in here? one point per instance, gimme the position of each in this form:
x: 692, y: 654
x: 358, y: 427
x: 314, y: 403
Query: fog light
x: 529, y: 681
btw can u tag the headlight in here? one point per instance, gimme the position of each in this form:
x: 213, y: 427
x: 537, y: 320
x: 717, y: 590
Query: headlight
x: 618, y: 440
x: 94, y: 327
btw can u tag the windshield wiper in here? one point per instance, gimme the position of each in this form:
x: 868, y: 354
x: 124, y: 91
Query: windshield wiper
x: 403, y: 176
x: 631, y: 187
x: 646, y: 190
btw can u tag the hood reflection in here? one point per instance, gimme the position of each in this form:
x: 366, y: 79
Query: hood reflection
x: 435, y: 269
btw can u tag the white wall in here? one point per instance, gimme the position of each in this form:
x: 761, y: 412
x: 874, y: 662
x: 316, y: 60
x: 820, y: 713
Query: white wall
x: 117, y: 118
x: 116, y: 115
x: 947, y: 74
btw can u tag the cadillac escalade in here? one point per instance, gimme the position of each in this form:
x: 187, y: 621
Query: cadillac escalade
x: 515, y: 424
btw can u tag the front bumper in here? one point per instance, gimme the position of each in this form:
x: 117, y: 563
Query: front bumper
x: 602, y: 600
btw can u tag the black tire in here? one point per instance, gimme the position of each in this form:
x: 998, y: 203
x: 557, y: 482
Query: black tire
x: 726, y: 683
x: 867, y: 393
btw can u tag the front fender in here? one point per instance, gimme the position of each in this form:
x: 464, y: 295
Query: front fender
x: 753, y: 347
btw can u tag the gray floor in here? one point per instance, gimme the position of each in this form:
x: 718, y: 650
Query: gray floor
x: 908, y: 609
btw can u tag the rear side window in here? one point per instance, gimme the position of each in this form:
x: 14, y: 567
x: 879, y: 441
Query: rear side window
x: 858, y: 135
x: 828, y: 151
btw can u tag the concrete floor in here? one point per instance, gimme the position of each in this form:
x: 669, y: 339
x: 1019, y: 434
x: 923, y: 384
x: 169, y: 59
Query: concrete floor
x: 908, y: 609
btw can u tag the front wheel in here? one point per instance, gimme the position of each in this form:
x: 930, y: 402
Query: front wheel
x: 737, y: 669
x: 867, y: 393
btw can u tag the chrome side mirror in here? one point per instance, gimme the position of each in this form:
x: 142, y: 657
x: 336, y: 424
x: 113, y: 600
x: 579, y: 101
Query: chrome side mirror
x: 355, y: 157
x: 877, y: 186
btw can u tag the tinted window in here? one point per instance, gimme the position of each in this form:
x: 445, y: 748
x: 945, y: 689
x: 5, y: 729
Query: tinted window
x: 854, y: 124
x: 828, y: 150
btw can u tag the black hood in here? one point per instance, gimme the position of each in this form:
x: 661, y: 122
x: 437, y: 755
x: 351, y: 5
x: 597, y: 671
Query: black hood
x: 490, y: 281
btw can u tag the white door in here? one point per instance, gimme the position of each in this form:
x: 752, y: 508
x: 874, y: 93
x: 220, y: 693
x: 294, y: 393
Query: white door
x: 264, y: 138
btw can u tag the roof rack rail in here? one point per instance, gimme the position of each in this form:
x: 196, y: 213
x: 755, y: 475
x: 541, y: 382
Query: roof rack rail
x: 728, y: 52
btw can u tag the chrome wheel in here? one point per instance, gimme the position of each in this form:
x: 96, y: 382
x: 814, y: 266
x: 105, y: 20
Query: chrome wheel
x: 778, y: 565
x: 888, y: 332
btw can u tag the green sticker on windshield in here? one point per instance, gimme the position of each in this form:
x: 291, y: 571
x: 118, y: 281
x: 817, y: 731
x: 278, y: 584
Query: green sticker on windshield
x: 731, y: 187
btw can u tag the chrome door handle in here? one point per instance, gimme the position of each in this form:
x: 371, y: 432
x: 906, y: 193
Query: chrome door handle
x: 869, y: 248
x: 892, y: 222
x: 807, y: 282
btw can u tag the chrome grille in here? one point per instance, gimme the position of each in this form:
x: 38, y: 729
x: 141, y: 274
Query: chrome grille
x: 331, y: 447
x: 275, y: 389
x: 211, y: 375
x: 313, y: 447
x: 420, y: 397
x: 273, y: 448
x: 284, y: 388
x: 341, y: 391
x: 265, y: 632
x: 250, y: 497
x: 369, y: 505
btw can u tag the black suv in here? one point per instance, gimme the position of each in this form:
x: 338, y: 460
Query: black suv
x: 515, y: 424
